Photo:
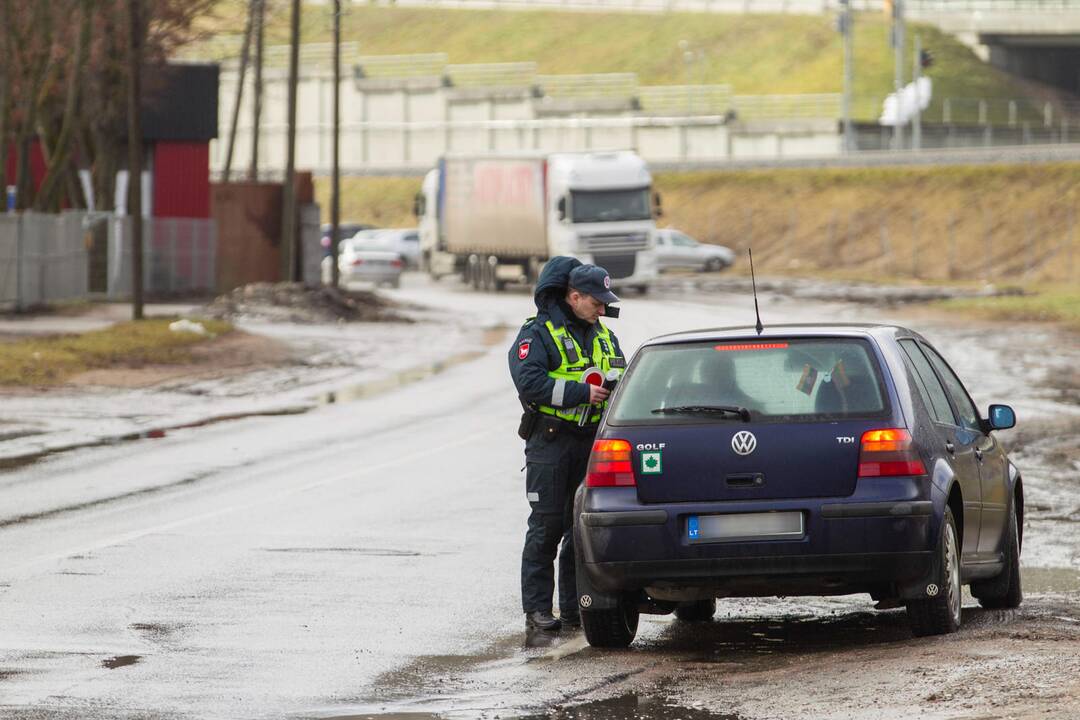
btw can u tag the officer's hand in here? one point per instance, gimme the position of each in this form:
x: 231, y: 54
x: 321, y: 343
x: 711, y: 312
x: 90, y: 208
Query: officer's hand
x: 598, y: 394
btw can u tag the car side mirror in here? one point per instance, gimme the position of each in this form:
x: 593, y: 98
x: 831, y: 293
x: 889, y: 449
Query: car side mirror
x: 561, y: 208
x: 1001, y: 417
x: 418, y: 205
x: 658, y: 205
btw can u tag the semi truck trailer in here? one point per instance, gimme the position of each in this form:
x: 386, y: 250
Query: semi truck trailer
x: 496, y: 219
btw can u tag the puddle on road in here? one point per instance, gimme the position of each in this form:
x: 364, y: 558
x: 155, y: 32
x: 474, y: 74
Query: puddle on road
x: 624, y: 707
x: 396, y: 380
x: 490, y: 337
x: 628, y: 707
x: 120, y: 661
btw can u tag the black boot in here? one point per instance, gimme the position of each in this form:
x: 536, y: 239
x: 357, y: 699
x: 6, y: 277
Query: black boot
x: 570, y: 618
x: 541, y: 620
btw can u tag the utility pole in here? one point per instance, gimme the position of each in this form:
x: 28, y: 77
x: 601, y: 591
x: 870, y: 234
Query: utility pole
x: 256, y: 119
x: 916, y: 73
x: 245, y: 53
x: 289, y: 254
x: 335, y: 192
x: 135, y: 155
x: 847, y: 30
x: 898, y: 71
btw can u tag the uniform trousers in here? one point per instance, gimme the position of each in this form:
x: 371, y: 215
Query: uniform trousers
x: 555, y: 466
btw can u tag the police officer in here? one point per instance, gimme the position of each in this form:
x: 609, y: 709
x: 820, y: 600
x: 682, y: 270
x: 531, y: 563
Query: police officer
x: 559, y: 423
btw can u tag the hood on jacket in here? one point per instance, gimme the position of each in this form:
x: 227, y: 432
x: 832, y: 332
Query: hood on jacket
x: 553, y: 281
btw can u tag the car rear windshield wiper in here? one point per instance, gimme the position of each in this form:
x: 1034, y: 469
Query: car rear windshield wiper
x: 706, y: 410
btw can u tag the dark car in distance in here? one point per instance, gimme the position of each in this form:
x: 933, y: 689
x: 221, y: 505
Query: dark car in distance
x: 805, y: 460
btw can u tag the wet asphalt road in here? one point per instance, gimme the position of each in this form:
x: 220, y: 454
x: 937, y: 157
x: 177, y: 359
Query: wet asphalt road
x: 362, y: 560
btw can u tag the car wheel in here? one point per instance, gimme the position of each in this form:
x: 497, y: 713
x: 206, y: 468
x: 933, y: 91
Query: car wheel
x: 698, y: 611
x: 395, y: 283
x: 1004, y: 591
x: 714, y: 265
x: 614, y: 628
x: 939, y: 614
x: 642, y: 289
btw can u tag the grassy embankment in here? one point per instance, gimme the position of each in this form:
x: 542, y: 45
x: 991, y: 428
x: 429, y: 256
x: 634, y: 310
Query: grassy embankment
x: 52, y: 360
x: 887, y: 224
x: 755, y: 54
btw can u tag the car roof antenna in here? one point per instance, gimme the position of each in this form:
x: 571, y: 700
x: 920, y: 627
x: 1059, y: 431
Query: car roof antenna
x: 753, y: 280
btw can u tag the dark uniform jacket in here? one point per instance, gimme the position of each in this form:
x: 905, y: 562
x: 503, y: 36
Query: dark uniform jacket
x: 534, y: 352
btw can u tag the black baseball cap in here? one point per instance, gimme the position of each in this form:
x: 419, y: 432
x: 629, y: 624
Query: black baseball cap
x: 595, y: 281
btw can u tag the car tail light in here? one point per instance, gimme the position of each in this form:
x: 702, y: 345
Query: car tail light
x: 887, y: 453
x: 358, y: 261
x: 610, y: 465
x: 396, y: 263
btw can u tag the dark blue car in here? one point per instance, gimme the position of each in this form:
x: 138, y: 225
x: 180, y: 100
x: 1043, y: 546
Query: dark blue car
x: 808, y: 460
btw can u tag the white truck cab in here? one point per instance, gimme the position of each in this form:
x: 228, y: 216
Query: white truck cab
x: 601, y: 207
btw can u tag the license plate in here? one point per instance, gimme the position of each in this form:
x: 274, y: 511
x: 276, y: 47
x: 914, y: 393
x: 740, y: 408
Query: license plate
x: 745, y: 526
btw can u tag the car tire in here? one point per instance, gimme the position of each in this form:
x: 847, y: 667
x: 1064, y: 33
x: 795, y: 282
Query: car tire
x: 1004, y: 591
x: 395, y: 283
x: 642, y: 289
x: 714, y: 265
x: 939, y: 614
x: 614, y: 628
x: 697, y: 611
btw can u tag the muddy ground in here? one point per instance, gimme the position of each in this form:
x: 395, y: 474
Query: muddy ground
x: 404, y: 602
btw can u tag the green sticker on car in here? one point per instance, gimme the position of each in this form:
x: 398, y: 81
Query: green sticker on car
x: 652, y: 462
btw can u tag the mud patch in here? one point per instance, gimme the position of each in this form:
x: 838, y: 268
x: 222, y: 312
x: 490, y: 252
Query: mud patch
x: 628, y: 707
x: 156, y: 632
x: 236, y: 353
x: 294, y: 302
x: 120, y: 661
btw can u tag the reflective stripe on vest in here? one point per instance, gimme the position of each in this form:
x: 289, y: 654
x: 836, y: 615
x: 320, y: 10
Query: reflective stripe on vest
x: 573, y: 363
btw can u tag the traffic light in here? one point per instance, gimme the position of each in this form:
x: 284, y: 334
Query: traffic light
x: 926, y: 59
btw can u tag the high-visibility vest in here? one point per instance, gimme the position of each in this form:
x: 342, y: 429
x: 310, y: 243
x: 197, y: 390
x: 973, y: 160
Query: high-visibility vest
x: 574, y: 362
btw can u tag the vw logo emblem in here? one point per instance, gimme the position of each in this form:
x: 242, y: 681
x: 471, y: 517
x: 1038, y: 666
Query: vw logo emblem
x: 744, y: 442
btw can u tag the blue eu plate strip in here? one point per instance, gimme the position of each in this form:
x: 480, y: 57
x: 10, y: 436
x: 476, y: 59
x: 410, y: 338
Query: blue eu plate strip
x: 692, y: 527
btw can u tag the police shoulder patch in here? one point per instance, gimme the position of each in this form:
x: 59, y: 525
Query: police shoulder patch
x: 523, y: 348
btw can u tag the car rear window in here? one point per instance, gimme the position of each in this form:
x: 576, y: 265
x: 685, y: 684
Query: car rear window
x: 801, y: 380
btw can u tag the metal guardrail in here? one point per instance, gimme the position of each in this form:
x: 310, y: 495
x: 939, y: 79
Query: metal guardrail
x: 515, y: 74
x: 686, y: 99
x: 787, y: 107
x: 589, y: 87
x: 401, y: 66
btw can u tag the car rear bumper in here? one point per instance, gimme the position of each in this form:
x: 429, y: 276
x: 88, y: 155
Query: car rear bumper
x: 848, y: 545
x: 376, y: 276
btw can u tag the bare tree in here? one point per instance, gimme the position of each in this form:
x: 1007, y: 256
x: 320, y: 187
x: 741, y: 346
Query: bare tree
x: 244, y: 54
x: 48, y: 197
x: 63, y: 67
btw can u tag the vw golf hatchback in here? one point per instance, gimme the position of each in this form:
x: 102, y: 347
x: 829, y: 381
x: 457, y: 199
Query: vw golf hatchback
x: 808, y: 460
